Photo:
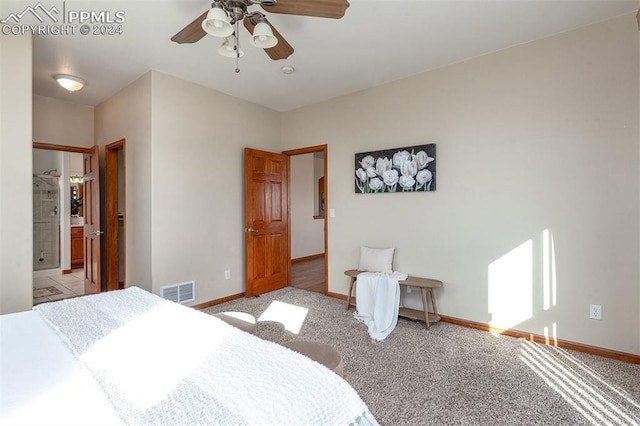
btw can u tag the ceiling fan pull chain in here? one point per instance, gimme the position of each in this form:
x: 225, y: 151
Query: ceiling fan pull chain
x: 237, y: 49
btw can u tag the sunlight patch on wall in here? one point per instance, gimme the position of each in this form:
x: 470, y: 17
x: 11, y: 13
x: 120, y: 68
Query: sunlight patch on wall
x: 290, y: 316
x: 510, y: 287
x: 553, y: 338
x: 548, y: 270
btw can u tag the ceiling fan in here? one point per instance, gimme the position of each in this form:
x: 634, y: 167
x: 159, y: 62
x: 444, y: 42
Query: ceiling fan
x: 220, y: 20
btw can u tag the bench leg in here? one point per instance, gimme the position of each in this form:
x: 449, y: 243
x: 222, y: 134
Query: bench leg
x: 353, y: 281
x: 433, y: 302
x: 425, y: 306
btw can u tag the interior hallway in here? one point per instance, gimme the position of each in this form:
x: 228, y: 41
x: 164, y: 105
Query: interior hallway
x: 308, y: 275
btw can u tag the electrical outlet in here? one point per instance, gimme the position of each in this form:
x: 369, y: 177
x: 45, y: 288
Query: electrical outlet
x: 227, y: 274
x: 595, y: 312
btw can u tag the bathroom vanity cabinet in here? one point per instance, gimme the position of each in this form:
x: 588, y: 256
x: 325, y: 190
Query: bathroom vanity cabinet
x: 77, y: 247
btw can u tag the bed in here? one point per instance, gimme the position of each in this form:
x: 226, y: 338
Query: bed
x: 131, y: 357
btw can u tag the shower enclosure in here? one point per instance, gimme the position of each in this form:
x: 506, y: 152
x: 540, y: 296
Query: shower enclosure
x: 46, y: 222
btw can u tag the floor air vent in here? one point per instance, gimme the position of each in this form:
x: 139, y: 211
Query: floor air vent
x: 179, y: 293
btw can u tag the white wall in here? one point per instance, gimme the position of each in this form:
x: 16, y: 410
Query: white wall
x: 128, y: 115
x: 76, y: 167
x: 16, y: 196
x: 199, y: 137
x: 62, y: 123
x: 535, y: 144
x: 307, y: 233
x: 45, y: 160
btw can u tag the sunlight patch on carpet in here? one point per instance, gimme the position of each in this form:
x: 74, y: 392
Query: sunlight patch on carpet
x: 290, y: 316
x: 587, y: 392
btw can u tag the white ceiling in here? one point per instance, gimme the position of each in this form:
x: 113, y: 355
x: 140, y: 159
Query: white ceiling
x: 377, y: 41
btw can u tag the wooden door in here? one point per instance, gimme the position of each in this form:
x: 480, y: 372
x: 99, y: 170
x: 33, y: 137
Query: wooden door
x: 266, y: 200
x: 91, y: 204
x: 114, y: 222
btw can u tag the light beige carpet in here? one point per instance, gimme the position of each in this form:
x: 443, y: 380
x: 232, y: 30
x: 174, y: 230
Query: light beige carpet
x: 452, y: 374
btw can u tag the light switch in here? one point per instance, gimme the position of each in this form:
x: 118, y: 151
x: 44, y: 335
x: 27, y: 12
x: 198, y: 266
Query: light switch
x: 332, y: 212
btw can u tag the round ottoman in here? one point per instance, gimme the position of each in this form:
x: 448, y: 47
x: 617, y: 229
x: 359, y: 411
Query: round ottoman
x: 319, y: 352
x: 243, y: 321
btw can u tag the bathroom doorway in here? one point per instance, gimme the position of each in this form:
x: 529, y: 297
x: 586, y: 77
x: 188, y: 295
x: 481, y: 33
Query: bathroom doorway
x: 58, y: 260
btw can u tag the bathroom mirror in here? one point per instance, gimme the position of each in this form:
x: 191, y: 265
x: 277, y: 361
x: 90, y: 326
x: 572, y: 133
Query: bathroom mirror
x: 76, y: 199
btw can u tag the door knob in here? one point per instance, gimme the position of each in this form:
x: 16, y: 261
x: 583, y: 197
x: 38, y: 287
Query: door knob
x: 251, y: 230
x: 96, y: 233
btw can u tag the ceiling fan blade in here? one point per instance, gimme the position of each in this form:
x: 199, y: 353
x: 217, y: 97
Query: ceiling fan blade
x: 282, y: 50
x: 320, y: 8
x: 192, y: 32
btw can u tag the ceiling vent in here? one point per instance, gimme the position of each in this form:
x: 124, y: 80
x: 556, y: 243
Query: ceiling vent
x: 179, y: 293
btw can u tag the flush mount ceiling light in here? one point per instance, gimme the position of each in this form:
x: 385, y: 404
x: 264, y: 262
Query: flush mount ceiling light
x: 70, y: 82
x: 224, y: 16
x: 287, y: 69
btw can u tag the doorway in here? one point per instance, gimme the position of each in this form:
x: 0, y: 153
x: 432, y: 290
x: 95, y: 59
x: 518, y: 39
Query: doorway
x: 308, y: 198
x: 268, y: 240
x: 57, y: 217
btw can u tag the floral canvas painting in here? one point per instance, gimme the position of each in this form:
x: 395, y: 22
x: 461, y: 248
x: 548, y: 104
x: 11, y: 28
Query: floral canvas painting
x: 410, y: 169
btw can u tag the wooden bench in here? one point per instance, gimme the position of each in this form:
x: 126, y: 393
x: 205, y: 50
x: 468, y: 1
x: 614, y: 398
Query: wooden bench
x: 426, y: 286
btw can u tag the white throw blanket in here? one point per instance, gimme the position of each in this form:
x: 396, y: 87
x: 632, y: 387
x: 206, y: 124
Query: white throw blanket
x: 165, y: 364
x: 378, y: 302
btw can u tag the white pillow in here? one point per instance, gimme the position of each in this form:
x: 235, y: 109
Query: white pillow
x: 376, y: 260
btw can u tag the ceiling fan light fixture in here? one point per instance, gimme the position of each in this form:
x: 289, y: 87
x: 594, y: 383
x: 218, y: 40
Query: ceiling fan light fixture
x: 217, y: 23
x: 263, y: 37
x: 229, y: 46
x: 69, y: 82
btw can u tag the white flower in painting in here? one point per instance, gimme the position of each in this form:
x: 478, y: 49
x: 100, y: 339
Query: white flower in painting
x: 367, y: 161
x: 407, y: 181
x: 424, y: 176
x: 400, y: 157
x: 422, y: 159
x: 409, y: 168
x: 375, y: 184
x: 371, y: 172
x: 390, y: 177
x: 361, y: 174
x: 382, y: 165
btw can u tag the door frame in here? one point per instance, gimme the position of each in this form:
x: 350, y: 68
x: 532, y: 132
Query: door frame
x: 65, y: 148
x: 310, y: 150
x: 112, y: 220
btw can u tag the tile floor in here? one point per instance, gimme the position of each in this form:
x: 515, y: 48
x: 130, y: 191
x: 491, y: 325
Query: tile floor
x: 52, y: 285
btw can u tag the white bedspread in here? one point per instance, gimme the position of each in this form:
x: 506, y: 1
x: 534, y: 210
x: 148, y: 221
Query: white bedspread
x: 378, y: 302
x: 41, y: 382
x: 162, y: 363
